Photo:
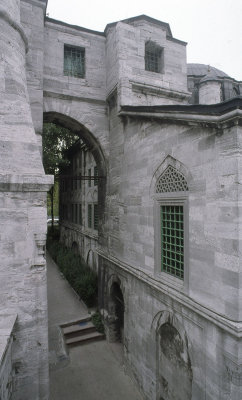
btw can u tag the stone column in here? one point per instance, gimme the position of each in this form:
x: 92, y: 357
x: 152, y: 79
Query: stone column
x: 23, y: 187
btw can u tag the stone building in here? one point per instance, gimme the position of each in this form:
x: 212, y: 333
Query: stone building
x: 79, y: 203
x: 165, y: 137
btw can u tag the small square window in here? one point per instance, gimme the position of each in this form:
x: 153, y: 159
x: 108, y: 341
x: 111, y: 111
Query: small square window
x: 74, y: 61
x: 153, y: 57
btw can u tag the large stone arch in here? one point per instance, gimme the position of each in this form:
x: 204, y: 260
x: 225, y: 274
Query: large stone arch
x: 174, y: 374
x: 84, y: 133
x: 94, y: 147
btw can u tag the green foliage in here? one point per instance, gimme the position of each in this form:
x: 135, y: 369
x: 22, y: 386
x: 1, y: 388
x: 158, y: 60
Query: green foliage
x: 55, y: 141
x: 97, y: 322
x: 76, y: 271
x: 55, y: 200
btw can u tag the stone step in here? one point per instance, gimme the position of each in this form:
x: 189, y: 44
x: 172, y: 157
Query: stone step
x: 82, y: 339
x: 77, y: 321
x: 81, y: 328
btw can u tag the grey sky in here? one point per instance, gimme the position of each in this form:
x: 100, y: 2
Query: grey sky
x: 212, y: 28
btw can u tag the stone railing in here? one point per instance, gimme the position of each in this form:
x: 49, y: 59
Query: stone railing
x: 7, y: 323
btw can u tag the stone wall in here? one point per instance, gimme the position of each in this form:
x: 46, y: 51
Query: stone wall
x: 204, y: 306
x: 23, y: 187
x: 208, y: 366
x: 207, y: 159
x: 126, y: 65
x: 6, y: 366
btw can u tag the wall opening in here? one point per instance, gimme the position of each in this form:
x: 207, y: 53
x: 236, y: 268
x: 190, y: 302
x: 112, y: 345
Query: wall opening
x: 174, y: 372
x: 116, y: 309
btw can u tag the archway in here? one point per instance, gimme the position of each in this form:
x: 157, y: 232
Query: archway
x: 116, y: 314
x: 93, y: 146
x: 174, y: 372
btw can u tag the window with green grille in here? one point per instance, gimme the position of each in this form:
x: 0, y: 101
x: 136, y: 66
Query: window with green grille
x: 74, y: 61
x: 89, y: 215
x: 172, y: 239
x: 96, y: 216
x: 80, y: 214
x: 76, y: 213
x: 89, y: 177
x: 153, y: 57
x: 95, y: 176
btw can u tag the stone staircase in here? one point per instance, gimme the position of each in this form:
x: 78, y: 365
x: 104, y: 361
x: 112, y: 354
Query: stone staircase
x: 80, y: 332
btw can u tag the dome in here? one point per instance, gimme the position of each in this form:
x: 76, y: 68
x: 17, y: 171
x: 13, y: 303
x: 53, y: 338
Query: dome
x: 203, y: 69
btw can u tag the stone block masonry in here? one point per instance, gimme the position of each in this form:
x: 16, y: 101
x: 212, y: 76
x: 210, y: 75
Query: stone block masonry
x: 167, y: 254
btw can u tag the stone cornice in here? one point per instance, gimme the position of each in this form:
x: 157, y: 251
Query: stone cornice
x: 230, y: 326
x: 25, y: 183
x: 70, y: 97
x: 15, y: 25
x: 159, y: 91
x: 215, y: 115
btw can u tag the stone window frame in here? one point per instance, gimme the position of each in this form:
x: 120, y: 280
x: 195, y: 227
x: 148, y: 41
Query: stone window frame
x: 154, y: 57
x: 75, y: 52
x: 171, y: 198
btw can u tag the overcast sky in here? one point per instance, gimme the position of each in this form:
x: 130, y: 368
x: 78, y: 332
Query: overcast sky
x: 212, y: 28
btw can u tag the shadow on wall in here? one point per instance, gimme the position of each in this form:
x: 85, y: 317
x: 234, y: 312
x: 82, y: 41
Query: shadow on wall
x: 174, y: 365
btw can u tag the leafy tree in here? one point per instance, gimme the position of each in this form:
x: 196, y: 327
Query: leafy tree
x: 55, y: 141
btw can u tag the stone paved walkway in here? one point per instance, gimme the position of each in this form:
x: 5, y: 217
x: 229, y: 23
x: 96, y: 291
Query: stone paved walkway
x: 89, y: 372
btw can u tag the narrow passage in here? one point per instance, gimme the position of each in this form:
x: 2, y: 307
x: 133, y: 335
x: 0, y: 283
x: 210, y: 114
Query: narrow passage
x: 88, y: 372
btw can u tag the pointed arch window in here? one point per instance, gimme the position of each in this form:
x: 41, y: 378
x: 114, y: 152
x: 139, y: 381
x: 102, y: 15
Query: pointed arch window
x: 171, y: 192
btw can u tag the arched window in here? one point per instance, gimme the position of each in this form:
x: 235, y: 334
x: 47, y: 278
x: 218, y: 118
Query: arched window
x: 171, y: 192
x: 154, y: 57
x: 235, y: 92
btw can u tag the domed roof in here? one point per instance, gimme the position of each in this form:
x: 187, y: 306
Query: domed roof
x: 203, y: 69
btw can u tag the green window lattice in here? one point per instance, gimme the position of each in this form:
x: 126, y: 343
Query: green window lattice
x: 96, y: 176
x: 80, y: 214
x: 89, y: 215
x: 89, y: 177
x: 172, y: 240
x: 74, y: 61
x: 96, y: 216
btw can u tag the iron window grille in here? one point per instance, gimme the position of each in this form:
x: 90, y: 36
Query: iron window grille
x: 96, y: 216
x: 172, y: 240
x: 171, y: 193
x: 80, y: 214
x: 153, y: 57
x: 89, y: 175
x: 89, y: 215
x: 74, y: 61
x: 95, y: 175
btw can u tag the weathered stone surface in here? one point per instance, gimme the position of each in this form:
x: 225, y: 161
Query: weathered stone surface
x: 191, y: 324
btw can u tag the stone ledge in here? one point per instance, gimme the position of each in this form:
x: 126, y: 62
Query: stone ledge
x: 230, y: 326
x: 158, y: 91
x: 25, y: 183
